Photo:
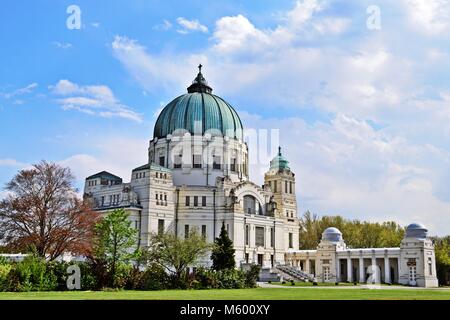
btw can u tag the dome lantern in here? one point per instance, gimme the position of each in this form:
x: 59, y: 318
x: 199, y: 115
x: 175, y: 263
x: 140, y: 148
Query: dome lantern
x: 199, y: 84
x: 198, y: 112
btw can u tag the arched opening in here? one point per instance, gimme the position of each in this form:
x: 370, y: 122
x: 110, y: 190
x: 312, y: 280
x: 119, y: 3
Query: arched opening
x: 251, y: 205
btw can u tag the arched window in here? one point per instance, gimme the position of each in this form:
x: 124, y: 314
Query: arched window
x: 251, y: 205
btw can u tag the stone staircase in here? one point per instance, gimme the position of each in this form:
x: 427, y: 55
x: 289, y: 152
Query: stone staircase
x: 291, y: 273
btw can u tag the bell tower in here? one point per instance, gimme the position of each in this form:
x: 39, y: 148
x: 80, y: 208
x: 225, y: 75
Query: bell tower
x: 281, y: 181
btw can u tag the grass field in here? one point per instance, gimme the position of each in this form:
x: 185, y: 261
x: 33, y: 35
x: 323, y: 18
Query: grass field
x: 241, y: 294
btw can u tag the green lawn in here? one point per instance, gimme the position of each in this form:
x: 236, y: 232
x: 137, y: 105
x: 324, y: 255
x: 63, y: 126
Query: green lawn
x: 242, y: 294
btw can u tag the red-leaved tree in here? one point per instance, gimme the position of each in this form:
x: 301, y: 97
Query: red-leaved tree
x: 42, y: 212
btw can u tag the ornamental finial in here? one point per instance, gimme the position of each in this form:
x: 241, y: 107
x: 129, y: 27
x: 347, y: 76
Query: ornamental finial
x: 279, y: 150
x: 200, y: 68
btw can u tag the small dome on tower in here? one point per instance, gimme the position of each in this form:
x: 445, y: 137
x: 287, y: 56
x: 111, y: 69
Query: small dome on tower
x: 279, y: 162
x: 332, y: 234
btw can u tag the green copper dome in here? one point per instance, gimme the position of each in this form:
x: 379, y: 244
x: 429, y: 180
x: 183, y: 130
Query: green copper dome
x: 197, y: 112
x: 279, y: 162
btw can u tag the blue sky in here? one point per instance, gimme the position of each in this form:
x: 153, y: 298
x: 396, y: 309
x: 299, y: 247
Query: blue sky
x: 363, y: 113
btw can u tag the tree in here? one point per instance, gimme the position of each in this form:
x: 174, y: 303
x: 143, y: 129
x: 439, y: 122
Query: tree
x: 114, y: 241
x: 357, y: 234
x: 176, y: 254
x: 223, y: 251
x: 43, y: 212
x: 442, y: 252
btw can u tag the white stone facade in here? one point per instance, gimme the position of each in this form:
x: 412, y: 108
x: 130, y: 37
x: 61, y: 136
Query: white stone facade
x: 413, y: 263
x: 197, y: 177
x: 160, y: 197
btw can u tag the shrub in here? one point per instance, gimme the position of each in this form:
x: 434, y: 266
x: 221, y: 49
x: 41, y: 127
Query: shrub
x: 59, y: 270
x: 284, y: 282
x: 252, y: 276
x: 123, y: 275
x: 231, y: 279
x: 31, y: 274
x: 206, y: 278
x: 99, y: 277
x: 224, y: 279
x: 88, y: 278
x: 154, y: 278
x: 4, y: 271
x: 314, y: 283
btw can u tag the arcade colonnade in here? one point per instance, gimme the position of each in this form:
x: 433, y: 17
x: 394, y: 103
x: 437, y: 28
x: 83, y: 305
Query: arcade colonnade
x: 352, y: 265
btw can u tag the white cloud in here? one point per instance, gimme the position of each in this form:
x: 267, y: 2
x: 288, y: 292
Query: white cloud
x: 92, y: 99
x: 119, y: 156
x: 429, y: 16
x: 95, y: 24
x: 234, y: 33
x: 19, y: 92
x: 381, y: 151
x: 302, y: 13
x: 11, y: 163
x: 346, y: 167
x: 188, y: 26
x: 164, y: 26
x: 62, y: 45
x: 154, y: 72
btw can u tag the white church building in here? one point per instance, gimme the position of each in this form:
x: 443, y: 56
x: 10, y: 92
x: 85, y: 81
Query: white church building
x: 197, y: 177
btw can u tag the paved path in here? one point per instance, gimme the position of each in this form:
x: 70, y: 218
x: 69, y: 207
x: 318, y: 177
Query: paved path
x: 268, y: 285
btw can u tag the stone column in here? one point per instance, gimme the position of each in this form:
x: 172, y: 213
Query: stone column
x: 349, y: 270
x: 362, y: 272
x: 387, y: 270
x: 307, y: 266
x: 338, y: 270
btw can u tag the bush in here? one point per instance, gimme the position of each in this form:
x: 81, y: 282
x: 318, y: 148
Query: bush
x: 124, y: 275
x: 59, y: 270
x: 98, y: 276
x: 206, y: 279
x: 31, y: 274
x: 154, y: 278
x: 314, y: 283
x: 232, y: 279
x: 4, y: 271
x: 88, y: 278
x: 252, y: 276
x: 224, y: 279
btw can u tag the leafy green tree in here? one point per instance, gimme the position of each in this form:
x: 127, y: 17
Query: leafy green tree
x: 175, y: 254
x: 222, y: 254
x: 114, y: 242
x: 442, y: 252
x: 357, y: 234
